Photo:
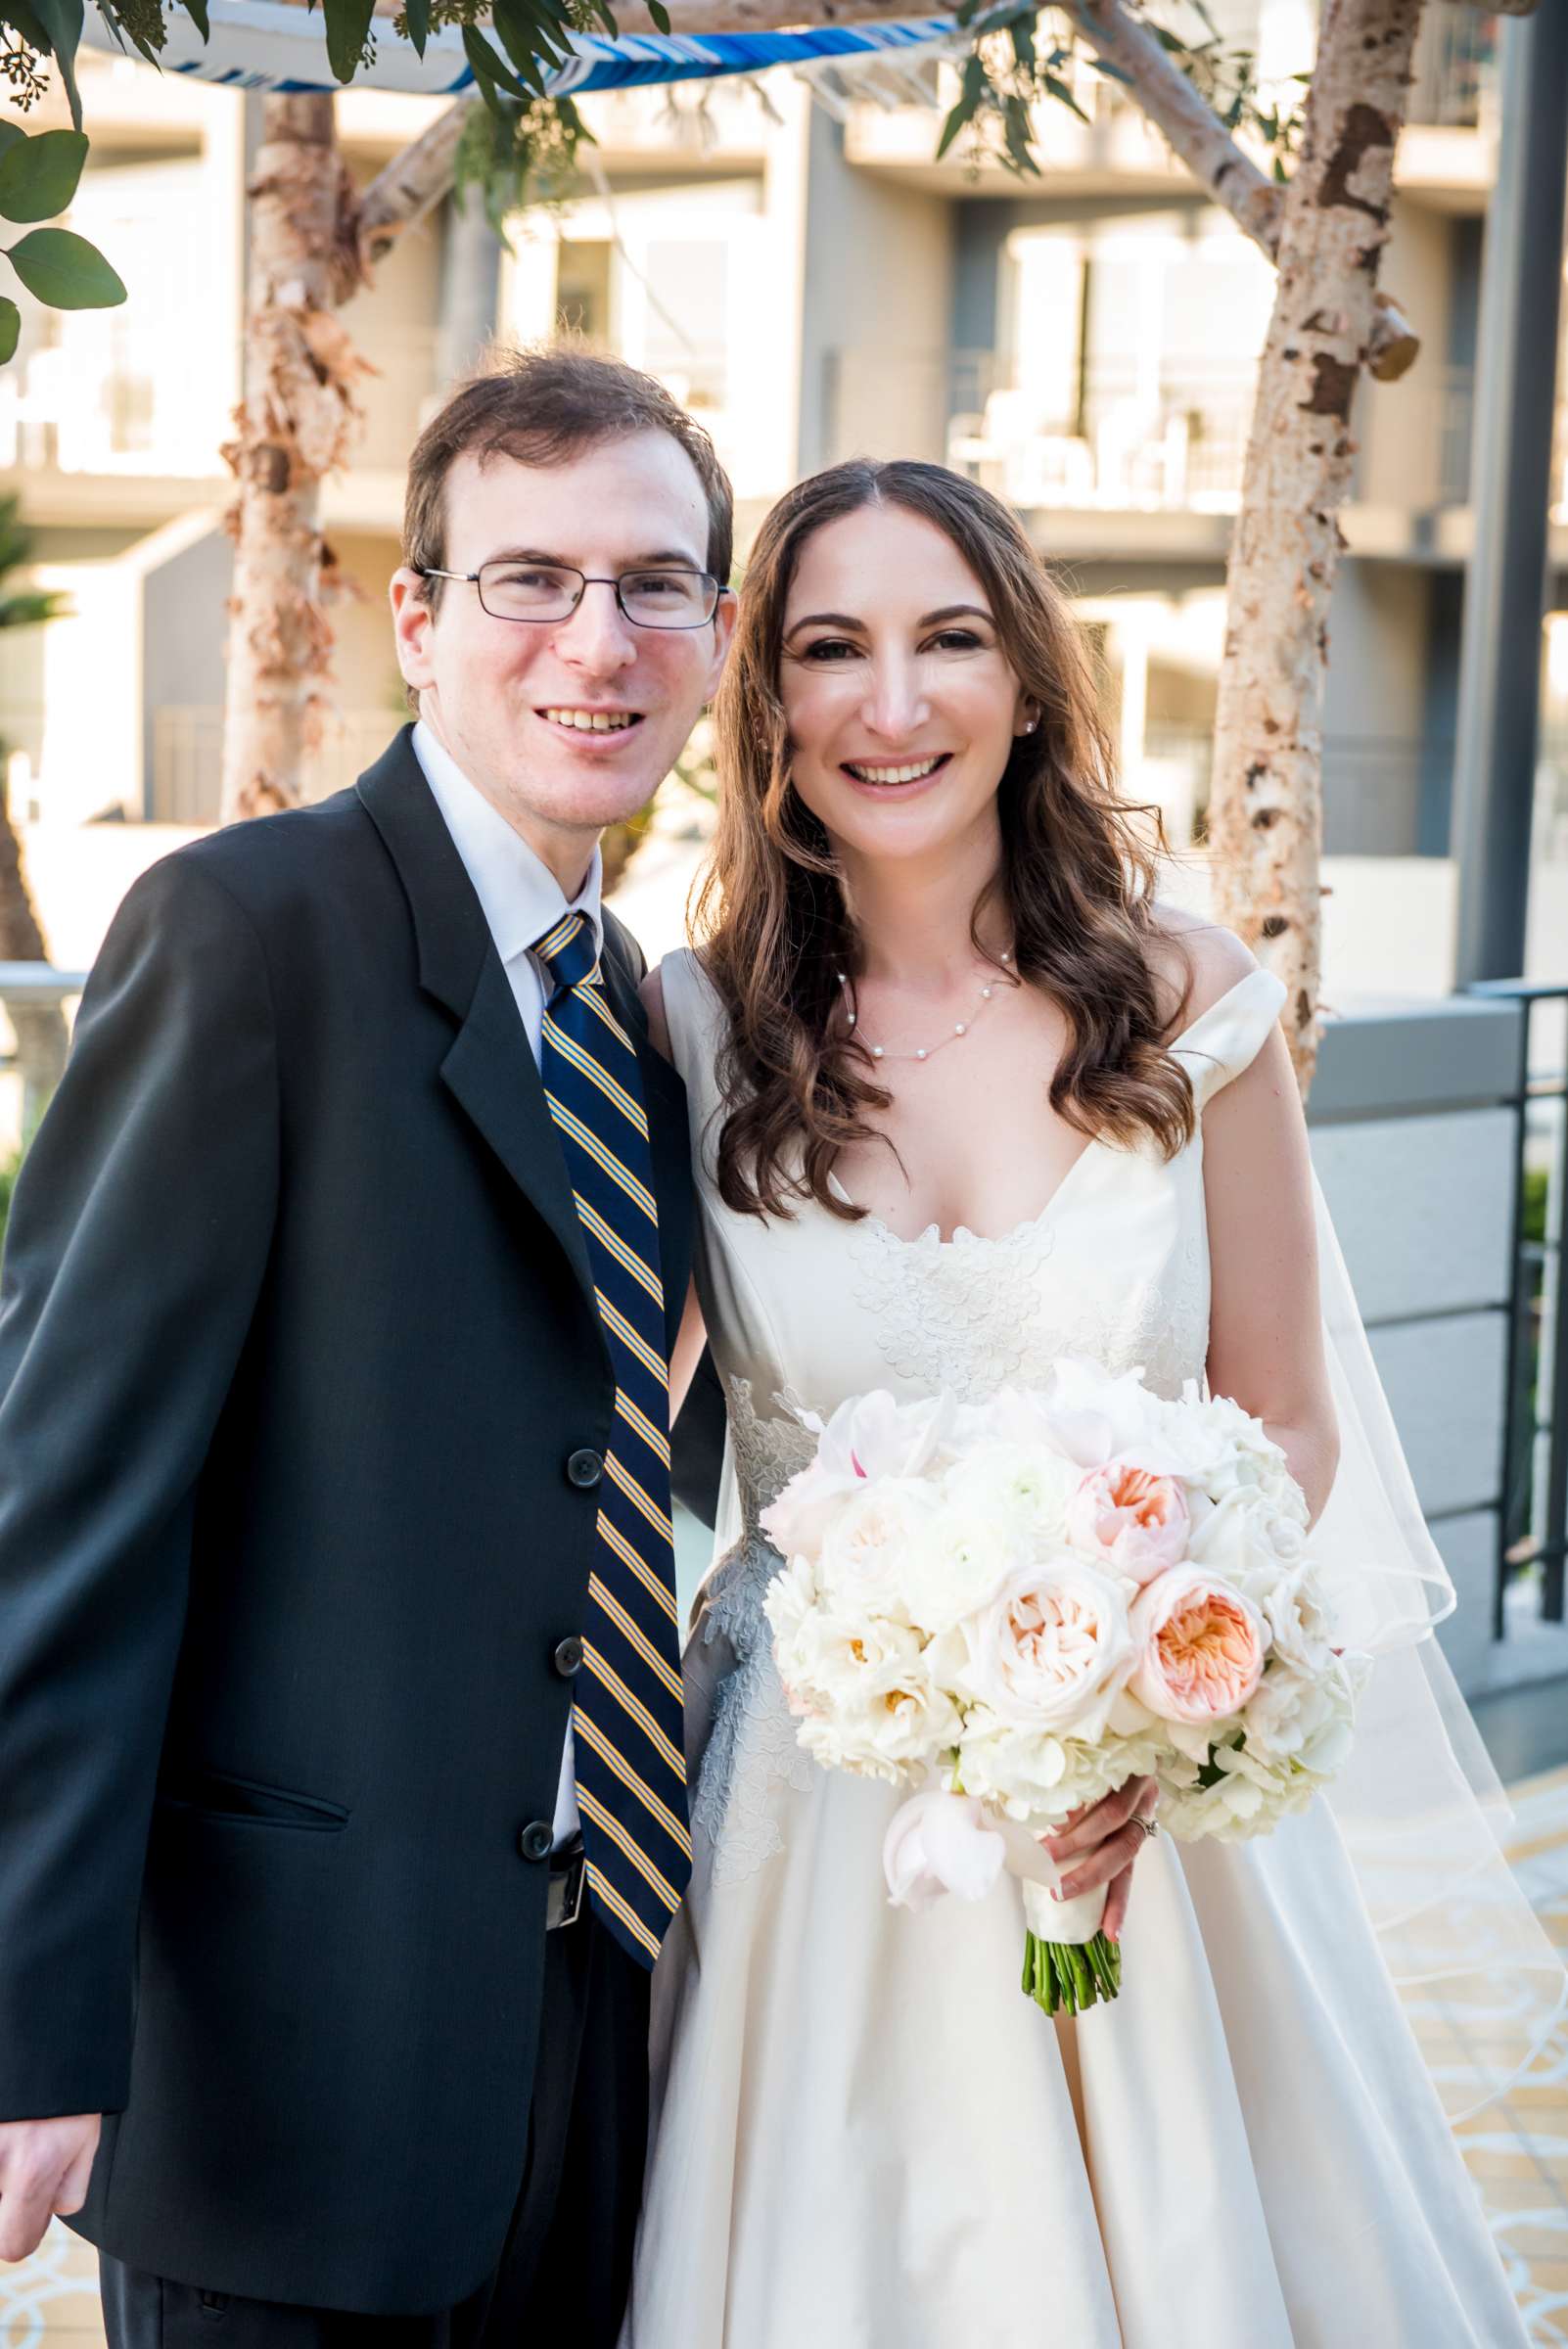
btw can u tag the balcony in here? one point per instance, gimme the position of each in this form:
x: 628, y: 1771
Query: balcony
x: 118, y: 421
x: 1454, y: 84
x: 1161, y: 436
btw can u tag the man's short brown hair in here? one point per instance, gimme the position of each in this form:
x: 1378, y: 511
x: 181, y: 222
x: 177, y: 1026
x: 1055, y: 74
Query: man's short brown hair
x: 544, y: 406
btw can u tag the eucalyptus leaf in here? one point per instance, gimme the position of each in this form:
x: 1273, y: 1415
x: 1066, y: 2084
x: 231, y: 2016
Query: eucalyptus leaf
x: 961, y: 114
x: 347, y: 31
x: 195, y: 10
x: 61, y: 21
x: 10, y: 133
x: 525, y: 41
x: 38, y: 175
x: 10, y: 329
x: 660, y: 16
x: 1059, y: 90
x: 20, y: 17
x: 64, y: 270
x: 416, y: 16
x: 489, y: 70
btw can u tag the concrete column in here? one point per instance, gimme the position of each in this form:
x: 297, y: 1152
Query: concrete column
x: 1499, y: 666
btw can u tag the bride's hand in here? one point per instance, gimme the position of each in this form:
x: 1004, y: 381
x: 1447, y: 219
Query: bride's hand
x: 1108, y: 1840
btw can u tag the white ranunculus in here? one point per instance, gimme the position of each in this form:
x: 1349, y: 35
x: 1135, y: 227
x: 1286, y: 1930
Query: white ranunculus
x: 1052, y: 1649
x: 956, y: 1561
x: 1025, y: 1484
x: 940, y: 1843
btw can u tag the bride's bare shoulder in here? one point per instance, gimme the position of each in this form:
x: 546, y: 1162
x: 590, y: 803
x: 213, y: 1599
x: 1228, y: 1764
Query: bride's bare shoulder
x: 1195, y: 961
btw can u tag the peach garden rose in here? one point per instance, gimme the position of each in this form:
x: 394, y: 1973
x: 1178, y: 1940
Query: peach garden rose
x: 1130, y: 1518
x: 1200, y: 1646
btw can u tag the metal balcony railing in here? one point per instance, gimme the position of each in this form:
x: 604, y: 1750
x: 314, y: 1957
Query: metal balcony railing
x: 1533, y: 1521
x: 185, y: 783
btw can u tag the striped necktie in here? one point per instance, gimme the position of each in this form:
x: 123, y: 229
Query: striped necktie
x: 627, y: 1721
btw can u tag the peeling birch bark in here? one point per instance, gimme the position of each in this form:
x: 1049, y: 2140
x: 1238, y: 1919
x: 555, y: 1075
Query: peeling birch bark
x: 295, y: 424
x: 1265, y: 813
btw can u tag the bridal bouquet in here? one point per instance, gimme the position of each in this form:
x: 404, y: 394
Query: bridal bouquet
x: 1016, y: 1606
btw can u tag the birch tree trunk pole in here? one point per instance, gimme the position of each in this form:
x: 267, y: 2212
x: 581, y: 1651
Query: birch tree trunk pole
x: 1265, y: 809
x: 294, y: 424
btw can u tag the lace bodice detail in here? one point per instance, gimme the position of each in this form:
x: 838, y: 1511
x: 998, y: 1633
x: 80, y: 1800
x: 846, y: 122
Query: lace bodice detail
x: 961, y: 1315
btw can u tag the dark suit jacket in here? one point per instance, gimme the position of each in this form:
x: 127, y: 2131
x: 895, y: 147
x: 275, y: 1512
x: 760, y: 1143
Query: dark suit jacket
x: 296, y: 1338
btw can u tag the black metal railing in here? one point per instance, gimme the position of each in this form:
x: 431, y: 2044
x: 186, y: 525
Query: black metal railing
x: 1532, y: 1518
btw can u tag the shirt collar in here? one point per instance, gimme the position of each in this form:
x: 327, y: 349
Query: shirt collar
x: 519, y: 896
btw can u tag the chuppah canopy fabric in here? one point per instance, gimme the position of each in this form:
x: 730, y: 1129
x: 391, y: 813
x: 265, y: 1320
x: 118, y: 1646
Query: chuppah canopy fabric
x: 278, y: 45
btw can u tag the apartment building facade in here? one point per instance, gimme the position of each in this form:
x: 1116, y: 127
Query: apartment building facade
x: 790, y: 257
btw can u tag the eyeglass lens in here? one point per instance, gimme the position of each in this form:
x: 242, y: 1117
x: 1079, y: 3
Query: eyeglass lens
x: 651, y: 599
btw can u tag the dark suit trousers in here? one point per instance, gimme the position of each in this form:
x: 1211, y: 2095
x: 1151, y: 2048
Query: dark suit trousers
x: 565, y: 2268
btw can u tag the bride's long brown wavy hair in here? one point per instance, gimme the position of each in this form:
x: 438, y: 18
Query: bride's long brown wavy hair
x: 1075, y: 880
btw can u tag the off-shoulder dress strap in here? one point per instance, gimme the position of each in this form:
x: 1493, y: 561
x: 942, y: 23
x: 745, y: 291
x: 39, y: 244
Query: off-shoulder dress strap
x: 1228, y: 1036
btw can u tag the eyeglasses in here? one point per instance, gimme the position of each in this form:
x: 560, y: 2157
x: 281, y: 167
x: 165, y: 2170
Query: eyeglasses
x: 546, y: 592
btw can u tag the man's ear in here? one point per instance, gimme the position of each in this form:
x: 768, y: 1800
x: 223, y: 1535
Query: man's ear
x: 412, y: 622
x: 723, y: 631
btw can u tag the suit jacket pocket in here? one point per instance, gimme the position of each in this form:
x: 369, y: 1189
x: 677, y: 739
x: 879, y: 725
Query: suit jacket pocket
x: 247, y: 1803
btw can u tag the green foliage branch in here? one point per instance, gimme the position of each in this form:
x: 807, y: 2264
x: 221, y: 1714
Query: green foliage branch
x: 1023, y: 56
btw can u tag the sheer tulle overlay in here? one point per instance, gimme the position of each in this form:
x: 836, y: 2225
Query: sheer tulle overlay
x: 863, y: 2133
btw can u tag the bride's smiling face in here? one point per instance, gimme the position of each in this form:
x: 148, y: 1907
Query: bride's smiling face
x: 901, y: 704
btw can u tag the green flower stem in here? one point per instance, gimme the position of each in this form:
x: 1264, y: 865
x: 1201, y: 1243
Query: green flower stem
x: 1068, y: 1976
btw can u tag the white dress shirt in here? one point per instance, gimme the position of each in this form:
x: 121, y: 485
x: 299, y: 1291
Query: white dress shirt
x: 522, y: 900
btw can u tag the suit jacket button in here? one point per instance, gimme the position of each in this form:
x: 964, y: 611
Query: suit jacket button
x: 567, y: 1656
x: 537, y: 1841
x: 585, y: 1468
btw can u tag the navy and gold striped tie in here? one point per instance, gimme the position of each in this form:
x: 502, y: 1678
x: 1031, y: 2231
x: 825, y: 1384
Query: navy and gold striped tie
x: 627, y: 1721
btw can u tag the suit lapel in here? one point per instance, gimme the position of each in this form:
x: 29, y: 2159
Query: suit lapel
x: 490, y: 1070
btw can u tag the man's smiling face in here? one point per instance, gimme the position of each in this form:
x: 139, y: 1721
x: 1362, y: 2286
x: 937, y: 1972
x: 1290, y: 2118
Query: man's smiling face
x: 565, y: 725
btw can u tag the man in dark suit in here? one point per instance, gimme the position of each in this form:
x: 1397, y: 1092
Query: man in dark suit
x: 341, y: 1811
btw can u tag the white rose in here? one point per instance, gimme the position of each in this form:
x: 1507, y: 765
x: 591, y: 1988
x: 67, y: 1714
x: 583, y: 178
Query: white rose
x: 1230, y: 1537
x: 866, y: 1546
x: 1297, y: 1618
x: 1052, y: 1649
x: 886, y: 1717
x: 1306, y: 1720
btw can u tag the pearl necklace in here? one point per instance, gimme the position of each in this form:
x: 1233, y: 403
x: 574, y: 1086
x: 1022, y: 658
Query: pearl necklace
x: 961, y: 1026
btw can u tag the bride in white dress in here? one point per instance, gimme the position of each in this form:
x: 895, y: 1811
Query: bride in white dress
x: 998, y: 1105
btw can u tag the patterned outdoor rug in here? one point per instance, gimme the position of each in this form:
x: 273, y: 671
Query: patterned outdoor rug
x: 52, y: 2299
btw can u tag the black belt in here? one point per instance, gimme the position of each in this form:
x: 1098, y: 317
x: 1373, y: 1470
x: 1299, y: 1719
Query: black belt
x: 568, y: 1881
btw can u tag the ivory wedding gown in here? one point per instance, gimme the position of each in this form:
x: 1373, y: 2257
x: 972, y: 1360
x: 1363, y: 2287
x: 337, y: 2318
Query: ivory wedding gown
x: 865, y: 2136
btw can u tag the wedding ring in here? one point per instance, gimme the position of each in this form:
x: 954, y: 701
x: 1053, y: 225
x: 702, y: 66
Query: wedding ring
x: 1150, y: 1827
